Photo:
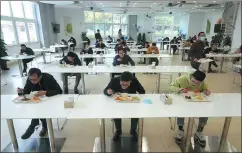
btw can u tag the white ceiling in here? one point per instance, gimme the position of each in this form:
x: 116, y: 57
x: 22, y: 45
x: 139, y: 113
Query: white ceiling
x: 145, y: 6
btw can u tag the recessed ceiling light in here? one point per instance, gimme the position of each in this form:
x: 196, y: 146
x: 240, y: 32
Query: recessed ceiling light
x: 200, y: 5
x: 214, y: 1
x: 222, y: 5
x: 199, y: 9
x: 120, y: 3
x: 196, y: 6
x: 154, y: 3
x: 206, y: 11
x: 191, y: 11
x: 135, y: 3
x: 100, y: 3
x: 194, y: 1
x: 213, y: 9
x: 193, y: 8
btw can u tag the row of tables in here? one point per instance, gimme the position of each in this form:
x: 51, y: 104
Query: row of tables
x: 88, y: 107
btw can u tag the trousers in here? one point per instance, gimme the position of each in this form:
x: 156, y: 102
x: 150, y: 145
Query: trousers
x: 65, y: 79
x: 35, y: 122
x: 202, y: 121
x: 118, y: 124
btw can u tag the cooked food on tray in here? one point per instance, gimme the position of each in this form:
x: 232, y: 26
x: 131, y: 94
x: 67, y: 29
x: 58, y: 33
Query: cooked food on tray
x: 188, y: 97
x: 126, y: 97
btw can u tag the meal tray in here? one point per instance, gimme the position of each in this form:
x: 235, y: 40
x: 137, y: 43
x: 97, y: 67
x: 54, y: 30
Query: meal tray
x: 194, y: 98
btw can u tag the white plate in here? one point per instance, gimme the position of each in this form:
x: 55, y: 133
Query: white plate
x: 18, y: 100
x: 194, y: 99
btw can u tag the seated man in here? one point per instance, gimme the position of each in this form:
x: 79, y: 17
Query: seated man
x: 146, y: 45
x: 101, y: 45
x: 87, y: 50
x: 183, y: 84
x: 212, y: 49
x: 174, y: 46
x: 45, y: 84
x: 64, y: 42
x: 72, y: 59
x: 117, y: 45
x: 109, y: 39
x: 153, y: 50
x: 123, y: 46
x: 28, y: 51
x: 73, y: 45
x: 126, y: 83
x: 122, y: 58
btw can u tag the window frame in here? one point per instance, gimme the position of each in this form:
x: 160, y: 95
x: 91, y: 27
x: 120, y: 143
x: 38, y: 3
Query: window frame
x: 25, y: 20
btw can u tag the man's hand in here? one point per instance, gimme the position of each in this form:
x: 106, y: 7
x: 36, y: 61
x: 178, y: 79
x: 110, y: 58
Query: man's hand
x: 20, y: 90
x: 195, y: 59
x: 110, y: 91
x: 120, y: 59
x: 183, y: 90
x: 207, y: 92
x: 41, y: 93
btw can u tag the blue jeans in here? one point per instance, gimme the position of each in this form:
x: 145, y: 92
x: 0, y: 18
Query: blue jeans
x: 202, y: 121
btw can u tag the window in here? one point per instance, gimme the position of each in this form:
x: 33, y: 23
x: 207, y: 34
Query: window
x: 8, y: 32
x: 107, y: 23
x: 5, y: 8
x: 32, y: 32
x: 18, y: 22
x: 21, y: 29
x: 17, y: 9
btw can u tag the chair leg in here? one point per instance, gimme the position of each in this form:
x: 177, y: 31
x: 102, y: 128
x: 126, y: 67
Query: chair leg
x: 58, y: 125
x: 174, y: 124
x: 112, y: 126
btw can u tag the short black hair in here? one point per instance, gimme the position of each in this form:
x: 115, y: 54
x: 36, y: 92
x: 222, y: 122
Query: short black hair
x: 126, y: 76
x: 118, y: 39
x: 71, y: 54
x: 23, y: 45
x: 199, y: 75
x: 123, y: 43
x: 34, y: 71
x: 146, y: 42
x: 153, y: 44
x: 98, y: 30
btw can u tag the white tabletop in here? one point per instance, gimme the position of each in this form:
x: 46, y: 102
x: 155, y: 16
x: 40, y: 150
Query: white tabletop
x: 185, y: 48
x: 223, y: 55
x: 18, y: 57
x: 119, y: 69
x: 53, y: 107
x: 131, y: 50
x: 131, y: 55
x: 42, y: 50
x: 237, y: 66
x: 58, y: 45
x: 221, y: 105
x: 204, y: 60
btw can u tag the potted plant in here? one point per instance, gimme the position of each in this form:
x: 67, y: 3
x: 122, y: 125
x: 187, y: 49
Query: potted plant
x: 3, y: 53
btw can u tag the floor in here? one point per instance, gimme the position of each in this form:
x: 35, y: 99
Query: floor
x: 80, y: 134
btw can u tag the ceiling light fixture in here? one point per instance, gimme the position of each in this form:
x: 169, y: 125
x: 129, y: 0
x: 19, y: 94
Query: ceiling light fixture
x: 120, y: 3
x: 200, y: 5
x: 214, y: 1
x: 222, y: 5
x: 213, y: 9
x: 206, y: 11
x: 100, y: 3
x: 194, y: 1
x: 196, y: 6
x: 199, y: 9
x: 135, y: 3
x: 154, y: 3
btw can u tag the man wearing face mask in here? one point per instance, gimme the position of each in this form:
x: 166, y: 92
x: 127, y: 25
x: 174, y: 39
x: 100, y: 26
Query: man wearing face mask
x: 46, y: 85
x: 126, y: 83
x: 191, y: 82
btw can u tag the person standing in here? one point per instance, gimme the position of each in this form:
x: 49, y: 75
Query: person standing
x: 64, y: 42
x: 183, y: 84
x: 28, y: 51
x: 73, y: 41
x: 46, y: 85
x: 72, y: 59
x: 174, y: 45
x: 126, y: 83
x: 98, y: 35
x: 120, y: 34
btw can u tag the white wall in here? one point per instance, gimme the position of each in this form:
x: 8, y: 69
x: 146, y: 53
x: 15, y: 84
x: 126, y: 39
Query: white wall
x: 195, y: 25
x: 78, y: 23
x: 184, y: 23
x: 237, y: 32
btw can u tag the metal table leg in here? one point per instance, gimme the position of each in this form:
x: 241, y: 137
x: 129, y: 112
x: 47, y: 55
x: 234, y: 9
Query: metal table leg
x: 224, y: 133
x: 140, y: 134
x: 20, y: 67
x: 83, y: 83
x: 44, y: 58
x: 51, y: 135
x: 102, y: 136
x: 189, y: 134
x: 221, y: 64
x: 158, y: 83
x: 12, y: 135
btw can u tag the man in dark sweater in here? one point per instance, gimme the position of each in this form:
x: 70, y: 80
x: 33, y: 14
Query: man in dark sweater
x: 126, y: 83
x: 28, y: 51
x: 122, y: 58
x: 196, y: 52
x: 46, y: 85
x: 72, y: 59
x: 98, y: 35
x: 100, y: 45
x: 123, y: 46
x: 73, y: 45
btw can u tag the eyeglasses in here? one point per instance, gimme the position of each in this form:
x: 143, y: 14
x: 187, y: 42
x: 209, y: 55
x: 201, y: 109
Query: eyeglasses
x: 34, y: 80
x: 195, y: 81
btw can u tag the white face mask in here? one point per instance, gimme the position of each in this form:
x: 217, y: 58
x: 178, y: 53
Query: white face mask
x: 202, y: 38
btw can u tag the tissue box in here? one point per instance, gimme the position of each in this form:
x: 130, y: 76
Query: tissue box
x: 68, y: 104
x: 166, y: 99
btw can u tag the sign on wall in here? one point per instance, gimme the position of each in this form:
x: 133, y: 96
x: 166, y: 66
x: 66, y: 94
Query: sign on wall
x: 67, y: 21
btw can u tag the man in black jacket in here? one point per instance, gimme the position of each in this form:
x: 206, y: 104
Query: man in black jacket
x: 196, y: 52
x: 126, y: 83
x: 28, y: 51
x: 73, y: 45
x: 72, y: 59
x: 46, y: 85
x: 98, y: 35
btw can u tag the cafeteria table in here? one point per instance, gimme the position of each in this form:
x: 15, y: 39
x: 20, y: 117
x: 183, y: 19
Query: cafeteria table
x: 51, y: 108
x: 223, y: 56
x: 102, y: 107
x: 43, y: 51
x: 119, y: 69
x: 19, y: 58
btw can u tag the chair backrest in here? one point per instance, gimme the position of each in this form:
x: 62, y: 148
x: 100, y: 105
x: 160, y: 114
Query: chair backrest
x: 52, y: 48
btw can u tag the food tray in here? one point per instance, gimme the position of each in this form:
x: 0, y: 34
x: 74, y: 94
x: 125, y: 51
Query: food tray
x: 31, y: 99
x: 125, y: 98
x: 196, y: 97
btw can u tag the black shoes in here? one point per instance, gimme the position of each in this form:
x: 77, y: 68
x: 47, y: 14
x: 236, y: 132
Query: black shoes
x: 76, y: 91
x: 65, y: 91
x: 116, y: 135
x: 28, y: 132
x: 5, y: 68
x: 43, y: 132
x: 134, y: 135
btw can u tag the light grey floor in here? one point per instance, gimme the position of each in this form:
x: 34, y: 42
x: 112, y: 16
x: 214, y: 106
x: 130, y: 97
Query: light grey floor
x: 80, y: 134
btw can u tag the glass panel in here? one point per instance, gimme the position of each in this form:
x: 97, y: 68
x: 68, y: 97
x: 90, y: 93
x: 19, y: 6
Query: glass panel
x: 90, y: 30
x: 124, y: 19
x: 99, y: 18
x: 115, y: 30
x: 17, y: 9
x: 101, y: 28
x: 89, y: 16
x: 116, y: 18
x: 5, y: 8
x: 164, y: 19
x: 108, y: 17
x: 8, y: 32
x: 32, y: 32
x: 124, y: 30
x: 108, y: 30
x: 28, y: 10
x: 21, y: 29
